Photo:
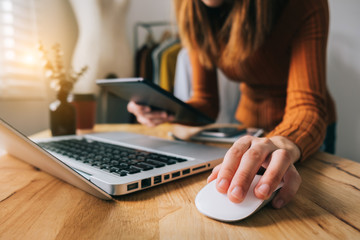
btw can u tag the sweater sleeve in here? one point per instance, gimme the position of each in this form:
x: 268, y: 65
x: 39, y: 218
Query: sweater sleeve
x: 205, y: 89
x: 305, y: 117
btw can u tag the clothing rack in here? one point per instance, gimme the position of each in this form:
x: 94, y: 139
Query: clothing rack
x: 148, y: 27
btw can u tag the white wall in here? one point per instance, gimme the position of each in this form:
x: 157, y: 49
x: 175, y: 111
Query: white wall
x: 344, y: 74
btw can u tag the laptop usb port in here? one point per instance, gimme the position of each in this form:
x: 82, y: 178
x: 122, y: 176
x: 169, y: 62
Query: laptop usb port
x: 175, y: 174
x: 198, y: 168
x: 132, y: 186
x: 157, y: 179
x: 186, y: 171
x: 146, y: 183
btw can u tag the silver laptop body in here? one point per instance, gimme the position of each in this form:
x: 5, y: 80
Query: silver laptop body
x: 102, y: 183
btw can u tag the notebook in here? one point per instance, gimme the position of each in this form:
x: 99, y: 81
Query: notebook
x: 111, y: 163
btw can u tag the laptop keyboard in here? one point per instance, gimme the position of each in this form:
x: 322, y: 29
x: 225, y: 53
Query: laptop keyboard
x: 111, y: 158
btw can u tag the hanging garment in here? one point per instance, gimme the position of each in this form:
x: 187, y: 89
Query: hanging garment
x: 143, y: 61
x: 147, y: 64
x: 182, y: 81
x: 168, y: 66
x: 156, y: 56
x: 138, y: 60
x: 229, y: 91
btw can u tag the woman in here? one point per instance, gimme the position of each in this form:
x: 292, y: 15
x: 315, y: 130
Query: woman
x: 277, y: 50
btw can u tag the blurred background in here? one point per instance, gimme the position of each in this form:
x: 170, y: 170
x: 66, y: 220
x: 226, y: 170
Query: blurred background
x: 107, y: 35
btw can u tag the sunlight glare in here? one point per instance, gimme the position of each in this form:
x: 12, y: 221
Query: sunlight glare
x: 6, y: 6
x: 9, y: 43
x: 29, y: 59
x: 10, y: 55
x: 8, y: 18
x: 8, y: 31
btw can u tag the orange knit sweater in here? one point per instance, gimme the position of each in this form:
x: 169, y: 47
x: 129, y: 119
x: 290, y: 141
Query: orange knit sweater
x: 283, y: 84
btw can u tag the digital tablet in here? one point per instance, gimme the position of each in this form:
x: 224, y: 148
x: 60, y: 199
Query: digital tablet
x: 147, y: 93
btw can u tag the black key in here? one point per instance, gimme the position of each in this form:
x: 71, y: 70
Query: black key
x: 135, y: 161
x: 165, y: 160
x: 114, y: 163
x: 123, y: 173
x: 123, y: 165
x: 96, y: 164
x: 140, y: 158
x: 144, y: 166
x: 105, y: 166
x: 154, y: 156
x: 179, y: 159
x: 114, y: 169
x: 155, y: 163
x: 132, y: 162
x: 133, y: 170
x: 69, y: 154
x: 171, y: 162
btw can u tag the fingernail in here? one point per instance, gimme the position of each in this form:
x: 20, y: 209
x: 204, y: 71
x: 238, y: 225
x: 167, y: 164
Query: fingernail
x: 279, y: 203
x: 223, y: 184
x: 237, y: 193
x: 264, y: 189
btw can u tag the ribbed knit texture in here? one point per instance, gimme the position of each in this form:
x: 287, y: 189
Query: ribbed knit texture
x: 284, y: 82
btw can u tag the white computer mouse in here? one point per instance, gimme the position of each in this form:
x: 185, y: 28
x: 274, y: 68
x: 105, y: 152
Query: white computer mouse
x: 218, y: 206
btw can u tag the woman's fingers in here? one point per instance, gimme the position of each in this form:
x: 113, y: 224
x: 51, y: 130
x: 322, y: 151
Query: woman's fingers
x: 154, y: 119
x: 250, y: 163
x: 292, y: 182
x: 231, y: 163
x: 243, y: 160
x: 137, y: 109
x: 146, y: 116
x: 214, y: 173
x: 279, y: 162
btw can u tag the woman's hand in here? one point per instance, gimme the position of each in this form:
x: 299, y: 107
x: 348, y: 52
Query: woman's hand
x: 242, y: 161
x: 145, y: 115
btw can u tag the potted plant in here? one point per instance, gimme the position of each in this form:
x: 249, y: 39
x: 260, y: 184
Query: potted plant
x: 62, y: 80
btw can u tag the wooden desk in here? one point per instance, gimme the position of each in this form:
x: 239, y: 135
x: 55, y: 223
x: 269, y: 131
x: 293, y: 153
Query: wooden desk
x: 35, y: 205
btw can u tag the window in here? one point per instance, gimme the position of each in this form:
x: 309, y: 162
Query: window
x: 20, y: 72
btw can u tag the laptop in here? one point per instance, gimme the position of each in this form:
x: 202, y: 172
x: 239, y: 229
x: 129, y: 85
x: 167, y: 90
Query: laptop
x: 111, y: 163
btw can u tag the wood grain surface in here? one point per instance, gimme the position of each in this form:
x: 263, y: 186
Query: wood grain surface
x: 35, y: 205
